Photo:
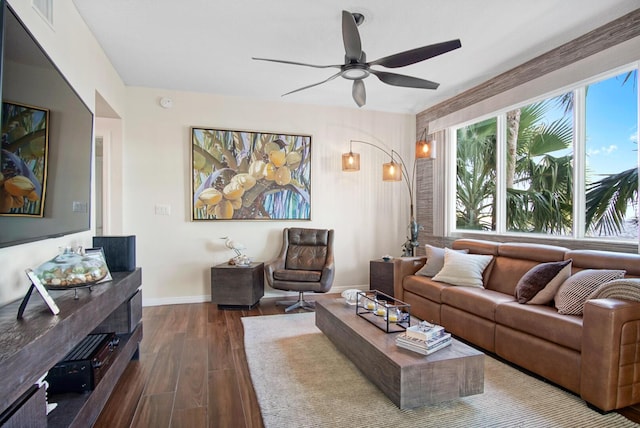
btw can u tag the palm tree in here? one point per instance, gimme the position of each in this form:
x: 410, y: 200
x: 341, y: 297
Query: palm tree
x: 476, y: 176
x: 539, y: 178
x: 539, y: 192
x: 608, y: 201
x: 539, y: 185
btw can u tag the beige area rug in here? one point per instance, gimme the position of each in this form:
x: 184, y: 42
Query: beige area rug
x: 302, y: 380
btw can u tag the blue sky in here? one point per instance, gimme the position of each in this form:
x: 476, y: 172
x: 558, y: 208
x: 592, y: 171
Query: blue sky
x: 612, y: 125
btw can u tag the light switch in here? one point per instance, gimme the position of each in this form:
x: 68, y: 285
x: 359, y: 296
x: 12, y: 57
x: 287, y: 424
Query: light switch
x: 163, y: 209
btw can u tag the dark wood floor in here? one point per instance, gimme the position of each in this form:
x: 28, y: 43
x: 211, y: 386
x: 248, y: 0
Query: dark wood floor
x: 193, y: 372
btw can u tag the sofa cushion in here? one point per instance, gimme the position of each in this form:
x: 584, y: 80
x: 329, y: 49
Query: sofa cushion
x: 543, y: 322
x: 476, y: 301
x: 515, y: 260
x: 596, y: 259
x: 545, y: 276
x: 625, y: 288
x: 463, y: 269
x: 435, y: 260
x: 575, y: 290
x: 297, y: 275
x: 424, y: 287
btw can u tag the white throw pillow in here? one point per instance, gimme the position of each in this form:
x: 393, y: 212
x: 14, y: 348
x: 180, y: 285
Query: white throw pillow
x: 463, y: 269
x: 435, y: 260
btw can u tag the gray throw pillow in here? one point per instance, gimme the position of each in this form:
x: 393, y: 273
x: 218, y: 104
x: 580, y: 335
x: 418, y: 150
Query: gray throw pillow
x: 435, y: 260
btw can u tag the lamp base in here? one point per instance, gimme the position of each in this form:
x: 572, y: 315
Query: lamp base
x: 410, y: 245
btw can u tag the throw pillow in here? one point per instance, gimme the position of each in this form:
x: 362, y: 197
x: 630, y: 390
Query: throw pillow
x: 548, y: 293
x: 625, y: 288
x: 435, y: 260
x: 538, y: 278
x: 463, y: 269
x: 575, y: 290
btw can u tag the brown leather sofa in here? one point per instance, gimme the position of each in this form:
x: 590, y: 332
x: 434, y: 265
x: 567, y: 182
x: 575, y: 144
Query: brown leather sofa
x: 596, y: 355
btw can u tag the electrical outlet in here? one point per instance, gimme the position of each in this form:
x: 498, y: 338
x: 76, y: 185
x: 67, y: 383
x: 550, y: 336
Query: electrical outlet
x: 163, y: 209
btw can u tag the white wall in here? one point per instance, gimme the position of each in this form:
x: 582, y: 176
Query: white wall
x: 79, y: 57
x: 369, y: 216
x: 151, y: 166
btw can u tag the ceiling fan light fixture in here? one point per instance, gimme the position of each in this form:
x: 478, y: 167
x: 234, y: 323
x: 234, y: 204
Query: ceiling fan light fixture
x: 357, y: 68
x: 355, y: 73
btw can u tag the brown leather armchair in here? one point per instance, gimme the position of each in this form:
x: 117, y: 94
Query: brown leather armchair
x: 305, y: 263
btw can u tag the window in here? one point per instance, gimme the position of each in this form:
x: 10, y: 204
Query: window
x: 476, y: 176
x: 563, y: 166
x: 539, y: 170
x: 611, y: 158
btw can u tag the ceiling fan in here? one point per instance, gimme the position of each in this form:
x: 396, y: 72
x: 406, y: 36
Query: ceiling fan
x: 357, y: 68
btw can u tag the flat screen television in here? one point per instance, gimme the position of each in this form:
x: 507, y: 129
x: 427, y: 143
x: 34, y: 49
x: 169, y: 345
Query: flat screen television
x: 47, y: 133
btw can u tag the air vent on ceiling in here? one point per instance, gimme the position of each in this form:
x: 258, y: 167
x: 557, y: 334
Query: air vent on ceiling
x: 45, y: 8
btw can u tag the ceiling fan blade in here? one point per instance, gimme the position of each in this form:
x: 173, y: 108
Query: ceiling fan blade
x: 416, y: 55
x: 315, y: 84
x: 402, y: 80
x: 296, y: 63
x: 359, y: 93
x: 351, y: 37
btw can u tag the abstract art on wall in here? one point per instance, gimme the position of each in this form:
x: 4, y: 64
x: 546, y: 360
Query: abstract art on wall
x: 242, y: 175
x: 23, y: 160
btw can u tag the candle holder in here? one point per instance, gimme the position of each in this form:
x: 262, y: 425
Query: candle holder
x: 388, y: 314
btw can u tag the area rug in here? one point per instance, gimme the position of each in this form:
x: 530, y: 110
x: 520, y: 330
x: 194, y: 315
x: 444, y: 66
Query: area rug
x: 302, y: 380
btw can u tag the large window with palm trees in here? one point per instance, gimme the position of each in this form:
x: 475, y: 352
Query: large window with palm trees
x: 476, y: 176
x: 566, y: 165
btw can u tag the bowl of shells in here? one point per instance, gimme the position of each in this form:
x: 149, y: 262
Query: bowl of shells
x: 74, y: 268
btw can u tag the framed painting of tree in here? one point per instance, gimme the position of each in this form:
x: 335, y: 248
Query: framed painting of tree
x: 244, y: 175
x: 23, y: 160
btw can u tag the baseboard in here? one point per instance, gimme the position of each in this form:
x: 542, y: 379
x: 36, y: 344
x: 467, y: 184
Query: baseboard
x: 181, y: 300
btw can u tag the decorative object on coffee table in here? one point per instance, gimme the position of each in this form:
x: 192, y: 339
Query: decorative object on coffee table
x: 388, y: 314
x: 237, y: 287
x: 424, y: 338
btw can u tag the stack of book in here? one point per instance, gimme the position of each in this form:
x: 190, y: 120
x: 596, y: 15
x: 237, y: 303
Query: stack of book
x: 424, y: 338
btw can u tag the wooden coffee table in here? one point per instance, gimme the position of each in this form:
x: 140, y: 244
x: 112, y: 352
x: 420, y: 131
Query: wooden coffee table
x: 409, y: 379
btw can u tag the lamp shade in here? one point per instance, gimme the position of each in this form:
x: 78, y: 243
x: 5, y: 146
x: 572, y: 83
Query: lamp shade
x: 424, y: 149
x: 351, y: 162
x: 391, y: 172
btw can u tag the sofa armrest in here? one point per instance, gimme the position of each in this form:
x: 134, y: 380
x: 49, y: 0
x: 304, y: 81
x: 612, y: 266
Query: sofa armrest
x: 610, y: 364
x: 404, y: 266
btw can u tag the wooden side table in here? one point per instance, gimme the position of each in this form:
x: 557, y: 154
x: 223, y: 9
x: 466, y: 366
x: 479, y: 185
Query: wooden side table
x: 235, y: 287
x: 381, y: 276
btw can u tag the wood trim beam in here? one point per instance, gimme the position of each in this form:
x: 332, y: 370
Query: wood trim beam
x: 615, y: 32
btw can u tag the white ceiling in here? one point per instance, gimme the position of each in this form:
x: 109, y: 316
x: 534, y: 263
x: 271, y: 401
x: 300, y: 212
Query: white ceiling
x: 207, y: 45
